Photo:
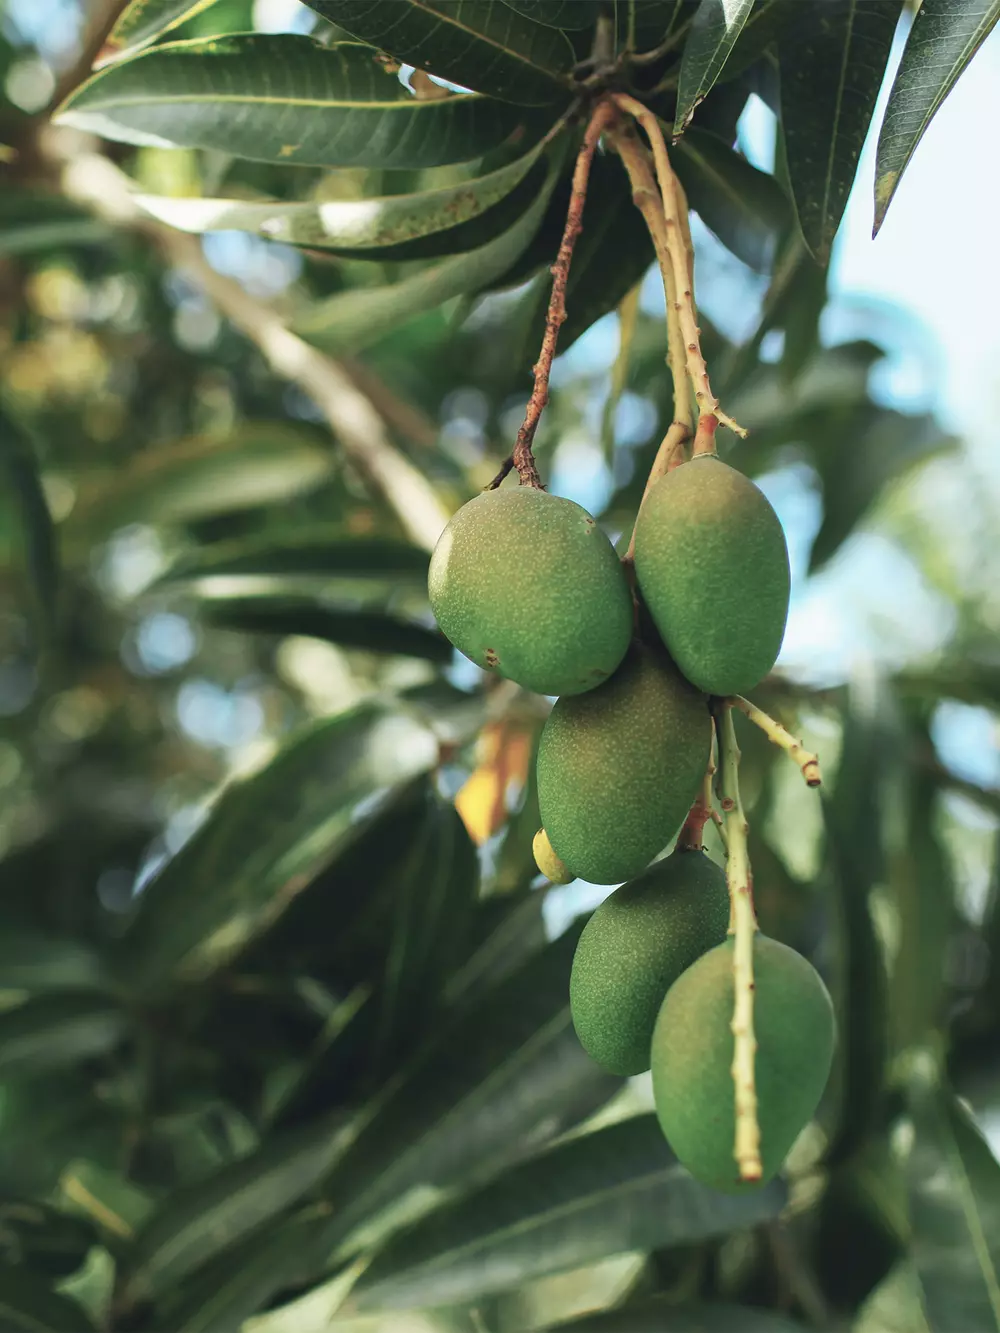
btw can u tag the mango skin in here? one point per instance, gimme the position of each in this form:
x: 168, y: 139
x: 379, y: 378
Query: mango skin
x: 526, y: 584
x: 619, y: 768
x: 634, y: 948
x: 712, y: 565
x: 692, y: 1053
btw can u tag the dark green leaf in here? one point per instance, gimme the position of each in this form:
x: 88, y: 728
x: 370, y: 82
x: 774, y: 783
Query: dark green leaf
x: 289, y: 100
x: 264, y: 841
x: 20, y: 471
x: 29, y: 1305
x: 373, y: 631
x: 144, y: 21
x: 57, y: 1029
x: 766, y: 20
x: 832, y: 60
x: 613, y: 1191
x: 30, y: 962
x: 43, y: 1238
x: 398, y: 226
x: 115, y: 1204
x: 955, y: 1215
x: 33, y: 220
x: 201, y: 1221
x: 742, y: 205
x: 485, y: 46
x: 945, y: 35
x: 568, y: 14
x: 712, y: 35
x: 667, y: 1317
x: 312, y: 554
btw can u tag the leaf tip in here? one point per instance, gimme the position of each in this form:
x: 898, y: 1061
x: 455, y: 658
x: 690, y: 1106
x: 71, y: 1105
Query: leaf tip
x: 885, y: 188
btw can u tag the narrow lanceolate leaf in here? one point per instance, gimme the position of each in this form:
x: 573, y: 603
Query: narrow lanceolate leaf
x: 23, y: 485
x: 946, y: 34
x: 666, y: 1316
x: 35, y: 963
x: 568, y: 14
x: 117, y: 1205
x: 29, y: 1305
x: 270, y: 562
x: 832, y: 59
x: 396, y: 225
x: 714, y: 30
x: 57, y: 1030
x: 264, y: 841
x: 488, y: 47
x: 955, y: 1216
x: 204, y: 1220
x: 290, y: 100
x: 144, y: 21
x: 610, y: 1192
x: 351, y: 320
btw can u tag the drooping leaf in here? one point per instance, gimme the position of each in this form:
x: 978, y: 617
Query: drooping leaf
x: 609, y: 1192
x: 373, y: 631
x: 744, y: 206
x: 287, y: 99
x: 714, y: 29
x: 398, y: 226
x: 265, y: 839
x: 23, y: 484
x: 57, y: 1029
x: 29, y: 1305
x: 487, y: 47
x: 955, y: 1214
x: 36, y: 963
x: 309, y: 554
x: 205, y: 1219
x: 832, y: 59
x: 945, y: 35
x: 352, y: 319
x: 145, y: 21
x: 567, y: 14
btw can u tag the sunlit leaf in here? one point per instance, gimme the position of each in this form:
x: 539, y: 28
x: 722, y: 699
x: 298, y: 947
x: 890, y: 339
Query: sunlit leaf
x: 712, y: 35
x: 666, y: 1316
x: 286, y: 99
x: 145, y: 21
x: 945, y: 35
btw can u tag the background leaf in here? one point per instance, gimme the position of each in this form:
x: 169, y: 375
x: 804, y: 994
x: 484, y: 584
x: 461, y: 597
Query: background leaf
x: 145, y: 21
x: 714, y: 29
x: 51, y: 1031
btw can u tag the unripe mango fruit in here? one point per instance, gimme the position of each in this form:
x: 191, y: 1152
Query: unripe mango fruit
x: 619, y: 767
x: 692, y: 1056
x: 712, y: 565
x: 634, y: 948
x: 526, y: 584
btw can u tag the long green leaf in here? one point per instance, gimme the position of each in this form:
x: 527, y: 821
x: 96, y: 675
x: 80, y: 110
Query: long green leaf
x: 713, y: 33
x: 145, y: 21
x: 58, y: 1029
x: 665, y: 1316
x: 118, y: 1206
x: 485, y: 46
x: 399, y: 226
x: 29, y: 1305
x: 946, y: 34
x: 33, y: 220
x: 955, y: 1214
x: 832, y: 59
x: 34, y: 963
x: 609, y: 1192
x: 290, y: 100
x: 309, y: 554
x: 568, y: 14
x: 23, y: 484
x: 353, y: 319
x: 264, y: 841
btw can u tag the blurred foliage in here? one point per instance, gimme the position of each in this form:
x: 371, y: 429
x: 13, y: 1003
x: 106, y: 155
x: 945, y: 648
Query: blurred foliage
x: 284, y: 1032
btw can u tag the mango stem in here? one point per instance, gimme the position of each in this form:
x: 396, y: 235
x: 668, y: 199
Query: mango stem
x: 775, y: 732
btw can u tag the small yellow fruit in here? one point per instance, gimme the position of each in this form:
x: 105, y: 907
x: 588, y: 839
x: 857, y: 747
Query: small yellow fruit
x: 547, y: 861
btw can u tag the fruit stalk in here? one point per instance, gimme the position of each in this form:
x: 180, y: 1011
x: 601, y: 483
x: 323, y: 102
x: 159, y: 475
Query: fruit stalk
x: 677, y: 249
x: 521, y: 456
x: 775, y: 732
x: 743, y: 925
x: 690, y: 838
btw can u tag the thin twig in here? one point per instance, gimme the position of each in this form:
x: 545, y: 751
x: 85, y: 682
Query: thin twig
x: 669, y: 455
x: 743, y: 925
x: 774, y: 731
x: 704, y: 439
x: 676, y: 230
x: 96, y: 182
x: 522, y: 457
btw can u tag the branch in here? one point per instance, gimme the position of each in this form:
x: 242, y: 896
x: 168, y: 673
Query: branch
x: 100, y: 20
x: 742, y: 924
x: 774, y: 731
x: 522, y: 457
x: 94, y: 181
x: 701, y: 813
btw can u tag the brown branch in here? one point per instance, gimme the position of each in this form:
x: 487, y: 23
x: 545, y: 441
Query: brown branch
x: 704, y: 440
x: 101, y: 18
x: 522, y: 457
x: 690, y: 838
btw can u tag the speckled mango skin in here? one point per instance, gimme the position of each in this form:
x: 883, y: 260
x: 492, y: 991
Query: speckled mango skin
x: 526, y: 584
x: 634, y: 948
x: 712, y: 565
x: 692, y: 1053
x: 618, y: 768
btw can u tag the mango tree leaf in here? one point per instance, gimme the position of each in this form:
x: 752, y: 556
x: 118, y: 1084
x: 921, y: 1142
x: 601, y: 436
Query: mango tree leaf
x: 766, y: 20
x: 665, y: 1316
x: 745, y: 207
x: 712, y: 35
x: 613, y: 1191
x: 145, y: 21
x: 371, y: 631
x: 309, y: 554
x: 115, y: 1204
x: 29, y: 1305
x: 264, y: 841
x: 33, y: 220
x: 23, y: 485
x: 352, y: 319
x: 945, y: 35
x: 57, y: 1029
x: 43, y: 1237
x: 399, y: 226
x: 955, y: 1214
x: 287, y: 99
x: 35, y: 963
x: 203, y: 1220
x: 832, y: 58
x: 487, y: 47
x: 567, y: 14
